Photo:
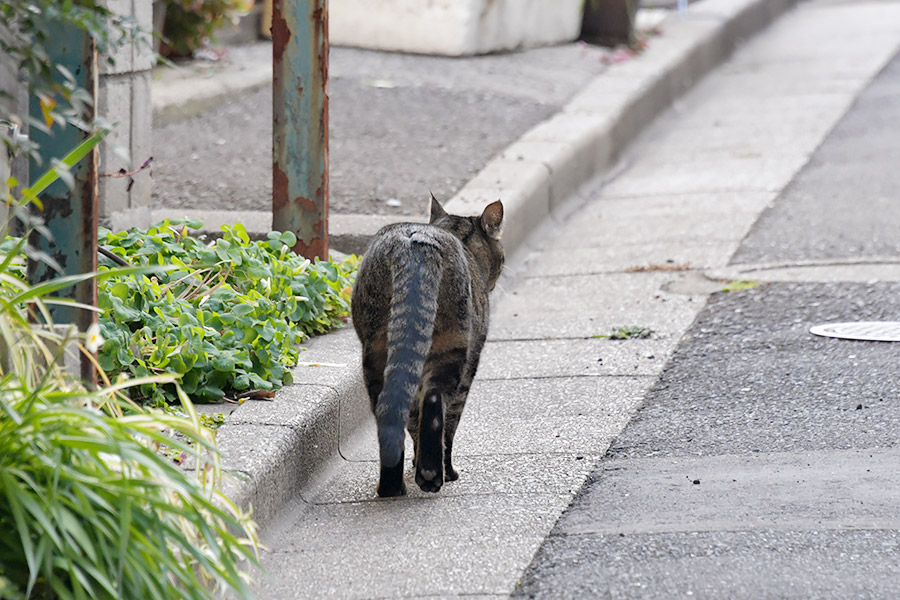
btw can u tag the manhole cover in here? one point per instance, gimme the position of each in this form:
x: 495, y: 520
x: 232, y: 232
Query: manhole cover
x: 871, y: 331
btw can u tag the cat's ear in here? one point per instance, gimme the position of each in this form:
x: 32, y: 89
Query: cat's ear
x: 491, y: 219
x: 437, y: 211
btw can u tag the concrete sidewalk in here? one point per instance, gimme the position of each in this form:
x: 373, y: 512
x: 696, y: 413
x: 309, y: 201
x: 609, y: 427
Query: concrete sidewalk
x: 552, y: 394
x: 282, y: 447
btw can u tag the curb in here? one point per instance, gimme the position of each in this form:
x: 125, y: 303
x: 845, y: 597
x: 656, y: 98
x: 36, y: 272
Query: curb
x: 278, y: 448
x: 348, y: 233
x: 190, y: 91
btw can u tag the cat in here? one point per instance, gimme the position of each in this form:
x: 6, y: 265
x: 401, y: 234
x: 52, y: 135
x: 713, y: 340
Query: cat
x: 420, y: 309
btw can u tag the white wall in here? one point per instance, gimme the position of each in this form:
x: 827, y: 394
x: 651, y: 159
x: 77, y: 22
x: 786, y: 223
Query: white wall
x: 453, y: 27
x: 124, y: 98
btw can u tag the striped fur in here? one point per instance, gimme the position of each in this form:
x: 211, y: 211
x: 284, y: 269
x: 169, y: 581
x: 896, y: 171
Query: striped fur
x: 420, y: 309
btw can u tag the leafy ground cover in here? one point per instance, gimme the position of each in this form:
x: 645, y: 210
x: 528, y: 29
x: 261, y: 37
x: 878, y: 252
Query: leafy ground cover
x: 91, y: 505
x: 228, y: 319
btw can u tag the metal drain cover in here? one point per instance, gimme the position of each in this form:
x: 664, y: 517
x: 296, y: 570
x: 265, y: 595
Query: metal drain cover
x: 870, y: 331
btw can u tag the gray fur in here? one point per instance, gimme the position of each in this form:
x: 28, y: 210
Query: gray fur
x: 420, y: 309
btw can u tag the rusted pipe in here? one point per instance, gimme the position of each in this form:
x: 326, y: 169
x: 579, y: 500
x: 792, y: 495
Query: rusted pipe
x: 300, y: 123
x: 70, y: 215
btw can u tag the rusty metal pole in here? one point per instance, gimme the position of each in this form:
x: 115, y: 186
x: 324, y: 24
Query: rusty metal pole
x: 69, y: 214
x: 300, y: 123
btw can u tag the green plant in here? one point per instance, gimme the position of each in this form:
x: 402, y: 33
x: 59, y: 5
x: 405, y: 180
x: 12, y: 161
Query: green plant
x: 627, y: 332
x: 89, y: 508
x: 227, y: 319
x: 212, y: 421
x: 27, y: 27
x: 89, y: 505
x: 189, y: 23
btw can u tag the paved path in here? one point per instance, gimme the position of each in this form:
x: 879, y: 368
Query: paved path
x: 762, y: 463
x: 551, y: 397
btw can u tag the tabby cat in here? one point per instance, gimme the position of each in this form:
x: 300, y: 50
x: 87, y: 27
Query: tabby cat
x: 420, y: 309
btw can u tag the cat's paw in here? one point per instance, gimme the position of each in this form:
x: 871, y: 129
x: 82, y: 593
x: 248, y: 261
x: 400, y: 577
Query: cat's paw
x: 390, y: 490
x: 390, y: 482
x: 450, y: 474
x: 430, y: 480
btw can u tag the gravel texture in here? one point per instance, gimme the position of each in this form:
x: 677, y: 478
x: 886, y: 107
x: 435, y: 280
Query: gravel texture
x: 400, y: 126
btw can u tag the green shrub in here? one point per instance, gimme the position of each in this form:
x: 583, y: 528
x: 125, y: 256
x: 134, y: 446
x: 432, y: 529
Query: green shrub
x: 89, y: 505
x: 189, y: 23
x: 228, y: 319
x: 27, y: 25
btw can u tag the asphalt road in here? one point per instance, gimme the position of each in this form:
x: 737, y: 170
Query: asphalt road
x: 845, y: 203
x: 763, y: 461
x: 400, y: 126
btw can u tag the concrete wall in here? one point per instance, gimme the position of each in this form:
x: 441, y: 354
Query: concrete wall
x: 124, y: 98
x: 453, y: 27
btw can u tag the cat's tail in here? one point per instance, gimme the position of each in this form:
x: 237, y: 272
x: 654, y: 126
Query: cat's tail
x: 416, y: 278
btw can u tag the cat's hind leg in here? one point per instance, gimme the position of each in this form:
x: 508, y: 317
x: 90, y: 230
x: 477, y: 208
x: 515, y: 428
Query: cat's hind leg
x: 443, y: 372
x: 429, y: 449
x: 453, y: 409
x: 451, y: 422
x: 373, y: 363
x: 390, y: 480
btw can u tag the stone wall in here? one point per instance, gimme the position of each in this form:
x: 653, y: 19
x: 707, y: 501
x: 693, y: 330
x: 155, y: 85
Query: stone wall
x: 124, y: 98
